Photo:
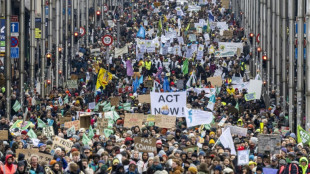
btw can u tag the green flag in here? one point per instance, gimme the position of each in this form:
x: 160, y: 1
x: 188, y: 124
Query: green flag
x: 160, y: 27
x: 91, y: 132
x: 96, y: 107
x: 31, y: 134
x: 17, y: 124
x: 66, y: 100
x: 41, y: 123
x: 107, y: 107
x: 237, y: 106
x: 185, y: 67
x: 85, y: 139
x: 108, y: 132
x: 115, y: 115
x: 302, y: 136
x: 16, y: 106
x: 127, y: 106
x: 218, y: 90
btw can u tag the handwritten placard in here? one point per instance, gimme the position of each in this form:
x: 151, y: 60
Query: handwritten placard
x: 4, y: 134
x: 135, y: 119
x: 145, y: 144
x: 48, y: 131
x: 29, y: 152
x: 164, y: 121
x: 62, y: 143
x: 75, y: 123
x: 144, y: 98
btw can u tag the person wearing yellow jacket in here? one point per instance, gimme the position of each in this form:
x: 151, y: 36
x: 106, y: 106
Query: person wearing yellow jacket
x: 230, y: 90
x: 148, y: 66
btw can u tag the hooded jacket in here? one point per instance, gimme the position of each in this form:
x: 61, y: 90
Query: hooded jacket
x: 305, y: 169
x: 8, y: 168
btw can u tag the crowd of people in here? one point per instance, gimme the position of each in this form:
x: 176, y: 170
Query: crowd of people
x: 184, y: 52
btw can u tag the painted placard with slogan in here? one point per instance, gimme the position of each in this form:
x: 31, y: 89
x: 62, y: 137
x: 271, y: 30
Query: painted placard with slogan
x: 48, y: 131
x: 134, y: 119
x: 29, y: 152
x: 145, y: 144
x: 4, y: 134
x: 243, y: 157
x: 164, y: 121
x: 72, y: 84
x: 62, y: 120
x: 215, y: 81
x: 62, y: 143
x: 148, y: 83
x: 237, y: 130
x: 269, y: 143
x: 171, y: 103
x: 75, y: 123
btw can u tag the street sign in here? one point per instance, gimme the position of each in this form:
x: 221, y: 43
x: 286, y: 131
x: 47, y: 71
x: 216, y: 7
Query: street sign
x: 37, y: 33
x: 82, y: 31
x: 14, y: 41
x: 14, y: 52
x: 14, y: 18
x: 14, y: 27
x: 105, y: 8
x: 2, y: 29
x: 107, y: 40
x: 257, y: 38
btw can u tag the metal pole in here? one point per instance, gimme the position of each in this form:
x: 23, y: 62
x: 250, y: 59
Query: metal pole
x: 278, y: 52
x: 66, y: 40
x: 266, y: 42
x: 72, y: 36
x: 96, y: 8
x: 308, y: 68
x: 87, y: 25
x: 32, y: 44
x: 291, y: 16
x: 61, y: 56
x: 261, y: 30
x: 22, y: 51
x: 300, y: 60
x: 254, y: 32
x: 43, y: 48
x: 257, y: 31
x: 118, y: 34
x: 8, y: 67
x: 273, y: 43
x: 50, y: 38
x: 78, y: 24
x: 57, y: 43
x: 284, y: 54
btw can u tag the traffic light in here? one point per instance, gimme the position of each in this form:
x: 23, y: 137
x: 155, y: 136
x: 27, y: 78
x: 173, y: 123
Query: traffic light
x: 259, y: 49
x: 251, y: 37
x: 76, y: 37
x: 48, y: 57
x: 98, y: 14
x: 59, y: 49
x: 48, y: 82
x: 60, y: 72
x: 264, y: 58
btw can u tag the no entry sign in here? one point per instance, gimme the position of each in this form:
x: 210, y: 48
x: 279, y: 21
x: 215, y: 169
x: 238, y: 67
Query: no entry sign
x: 107, y: 40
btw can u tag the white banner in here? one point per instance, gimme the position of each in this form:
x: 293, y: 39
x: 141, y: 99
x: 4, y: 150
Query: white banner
x: 256, y: 86
x: 237, y: 130
x: 227, y: 141
x: 172, y: 103
x: 196, y: 117
x: 121, y: 51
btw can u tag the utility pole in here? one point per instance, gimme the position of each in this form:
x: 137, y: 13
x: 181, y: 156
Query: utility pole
x: 291, y: 16
x: 273, y: 43
x: 95, y: 15
x: 87, y: 25
x: 8, y: 73
x: 284, y: 55
x: 78, y: 24
x: 43, y: 81
x: 57, y: 43
x: 278, y: 52
x: 308, y: 68
x: 72, y: 33
x: 300, y: 60
x: 50, y: 40
x: 22, y: 51
x: 61, y: 56
x: 66, y: 40
x: 32, y: 44
x: 268, y: 42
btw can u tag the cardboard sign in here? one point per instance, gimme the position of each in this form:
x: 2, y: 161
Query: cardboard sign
x: 72, y: 84
x: 228, y: 33
x: 243, y: 157
x: 29, y: 152
x: 85, y: 120
x: 74, y: 77
x: 269, y: 143
x: 237, y: 130
x: 115, y: 101
x: 62, y: 143
x: 134, y: 119
x: 71, y: 131
x: 148, y: 83
x: 144, y: 98
x: 62, y: 120
x: 75, y: 123
x: 145, y: 144
x: 225, y: 3
x: 215, y: 81
x: 150, y: 118
x: 4, y: 134
x: 48, y: 131
x: 250, y: 96
x: 164, y: 121
x: 102, y: 123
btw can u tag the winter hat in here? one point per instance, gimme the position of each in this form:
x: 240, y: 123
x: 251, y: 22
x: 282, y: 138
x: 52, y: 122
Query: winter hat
x: 293, y: 135
x: 156, y: 159
x: 129, y: 132
x: 254, y: 140
x: 218, y: 167
x: 161, y: 153
x: 227, y: 170
x: 159, y: 142
x: 193, y: 170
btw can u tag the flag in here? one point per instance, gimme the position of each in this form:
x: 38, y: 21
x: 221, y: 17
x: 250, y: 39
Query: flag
x: 195, y: 117
x: 16, y: 106
x: 188, y: 25
x: 237, y: 106
x: 185, y: 67
x: 108, y: 132
x: 31, y: 134
x: 66, y: 100
x: 166, y: 85
x: 157, y: 86
x: 208, y: 27
x: 129, y: 68
x: 160, y: 27
x: 85, y: 139
x: 107, y: 107
x: 103, y: 78
x: 227, y: 141
x: 218, y: 90
x: 302, y: 136
x: 141, y: 32
x: 211, y: 17
x: 127, y: 106
x: 17, y: 124
x: 41, y: 123
x: 60, y: 101
x: 91, y: 132
x: 141, y: 80
x: 211, y: 102
x: 191, y: 80
x: 135, y: 84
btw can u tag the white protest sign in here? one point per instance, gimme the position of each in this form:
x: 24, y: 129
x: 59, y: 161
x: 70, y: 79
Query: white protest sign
x: 243, y: 157
x: 196, y: 117
x: 71, y: 131
x: 91, y: 105
x: 237, y: 130
x: 48, y: 131
x: 62, y: 143
x: 172, y: 103
x: 255, y: 86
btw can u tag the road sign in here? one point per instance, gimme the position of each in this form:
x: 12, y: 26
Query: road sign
x: 2, y: 29
x: 37, y: 33
x: 14, y: 52
x: 14, y: 18
x: 14, y: 42
x: 107, y: 40
x: 14, y: 27
x: 82, y: 31
x: 105, y: 8
x: 257, y: 38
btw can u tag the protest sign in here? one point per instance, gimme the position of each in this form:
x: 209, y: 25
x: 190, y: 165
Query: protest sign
x: 134, y: 119
x: 171, y: 103
x: 62, y: 143
x: 269, y: 170
x: 243, y: 157
x: 71, y: 131
x: 102, y: 122
x: 228, y: 33
x: 225, y: 3
x: 4, y: 134
x: 75, y: 123
x: 222, y: 122
x: 255, y: 86
x: 144, y: 98
x: 62, y: 120
x: 91, y: 105
x: 164, y: 121
x: 250, y: 96
x: 232, y: 110
x: 227, y: 141
x: 269, y: 143
x: 29, y: 152
x: 180, y: 84
x: 72, y: 84
x: 196, y: 117
x: 48, y: 131
x: 115, y: 101
x: 150, y: 118
x: 237, y: 130
x: 215, y: 81
x: 145, y: 144
x: 148, y: 83
x: 121, y: 51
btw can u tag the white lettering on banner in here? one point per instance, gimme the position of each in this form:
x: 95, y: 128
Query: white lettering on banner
x: 172, y: 103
